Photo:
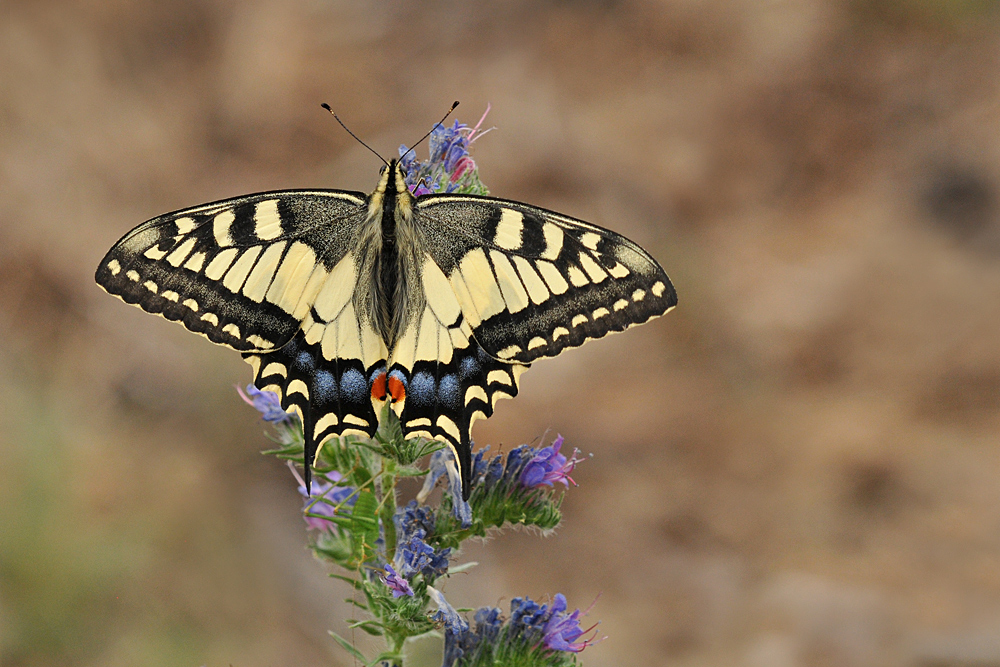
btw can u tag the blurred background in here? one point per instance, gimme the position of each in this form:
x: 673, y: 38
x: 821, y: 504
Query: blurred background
x: 799, y: 466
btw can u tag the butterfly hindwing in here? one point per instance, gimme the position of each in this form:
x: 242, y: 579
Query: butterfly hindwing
x: 331, y: 397
x: 325, y: 371
x: 448, y: 378
x: 532, y: 282
x: 241, y: 271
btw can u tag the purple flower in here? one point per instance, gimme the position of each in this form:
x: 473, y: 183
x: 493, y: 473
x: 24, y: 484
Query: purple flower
x: 562, y: 630
x: 397, y: 584
x: 548, y: 466
x: 450, y: 167
x: 324, y: 498
x: 266, y: 403
x: 531, y: 627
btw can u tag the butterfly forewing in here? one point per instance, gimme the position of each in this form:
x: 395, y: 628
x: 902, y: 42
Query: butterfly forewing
x: 243, y: 271
x: 532, y: 282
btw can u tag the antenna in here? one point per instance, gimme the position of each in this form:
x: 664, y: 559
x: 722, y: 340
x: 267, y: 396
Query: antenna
x: 327, y: 107
x: 429, y: 133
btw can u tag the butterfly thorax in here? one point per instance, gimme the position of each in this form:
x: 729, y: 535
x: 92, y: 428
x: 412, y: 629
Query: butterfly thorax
x: 390, y: 246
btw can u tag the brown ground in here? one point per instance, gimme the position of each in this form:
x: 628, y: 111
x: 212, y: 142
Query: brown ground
x: 797, y: 467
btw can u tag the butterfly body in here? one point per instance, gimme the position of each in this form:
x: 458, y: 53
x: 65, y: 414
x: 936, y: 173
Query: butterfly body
x: 342, y: 302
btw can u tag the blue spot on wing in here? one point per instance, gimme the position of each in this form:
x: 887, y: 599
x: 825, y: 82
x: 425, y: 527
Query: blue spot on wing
x: 375, y: 372
x: 422, y: 390
x: 353, y: 386
x: 468, y: 368
x: 324, y: 389
x: 399, y: 375
x: 450, y: 392
x: 304, y: 361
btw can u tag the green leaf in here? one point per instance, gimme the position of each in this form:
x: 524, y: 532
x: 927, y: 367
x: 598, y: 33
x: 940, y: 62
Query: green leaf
x: 364, y: 525
x: 411, y: 471
x: 371, y: 627
x: 464, y: 567
x: 390, y: 432
x: 343, y: 522
x: 358, y: 585
x: 348, y: 647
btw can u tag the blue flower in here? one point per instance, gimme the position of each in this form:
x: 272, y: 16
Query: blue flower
x: 494, y: 473
x: 443, y: 463
x: 266, y: 403
x: 516, y: 460
x: 550, y: 626
x: 488, y: 622
x: 446, y: 614
x: 455, y: 627
x: 413, y: 555
x: 548, y: 466
x: 436, y: 469
x: 397, y: 584
x: 527, y: 619
x: 412, y: 518
x: 531, y: 627
x: 562, y: 630
x: 478, y: 644
x: 479, y: 464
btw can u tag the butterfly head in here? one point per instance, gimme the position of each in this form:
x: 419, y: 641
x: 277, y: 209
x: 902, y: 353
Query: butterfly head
x: 393, y: 177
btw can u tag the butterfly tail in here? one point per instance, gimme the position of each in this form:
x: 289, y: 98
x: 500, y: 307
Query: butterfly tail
x: 309, y: 447
x: 465, y: 463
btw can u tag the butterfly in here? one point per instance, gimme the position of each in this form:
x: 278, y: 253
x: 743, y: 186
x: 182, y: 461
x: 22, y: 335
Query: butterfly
x: 342, y: 302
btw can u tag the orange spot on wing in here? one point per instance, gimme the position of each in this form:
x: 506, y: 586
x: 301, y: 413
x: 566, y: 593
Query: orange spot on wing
x: 378, y: 387
x: 396, y: 389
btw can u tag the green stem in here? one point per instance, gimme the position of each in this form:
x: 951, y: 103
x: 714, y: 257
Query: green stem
x: 388, y: 511
x: 389, y: 507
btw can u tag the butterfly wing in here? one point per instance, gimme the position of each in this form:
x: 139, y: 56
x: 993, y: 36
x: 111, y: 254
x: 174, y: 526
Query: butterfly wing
x: 242, y: 272
x: 270, y: 275
x: 505, y: 284
x: 273, y: 275
x: 324, y: 372
x: 450, y: 380
x: 532, y: 282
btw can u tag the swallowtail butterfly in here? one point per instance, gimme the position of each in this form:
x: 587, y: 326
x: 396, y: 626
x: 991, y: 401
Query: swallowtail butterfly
x: 341, y: 301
